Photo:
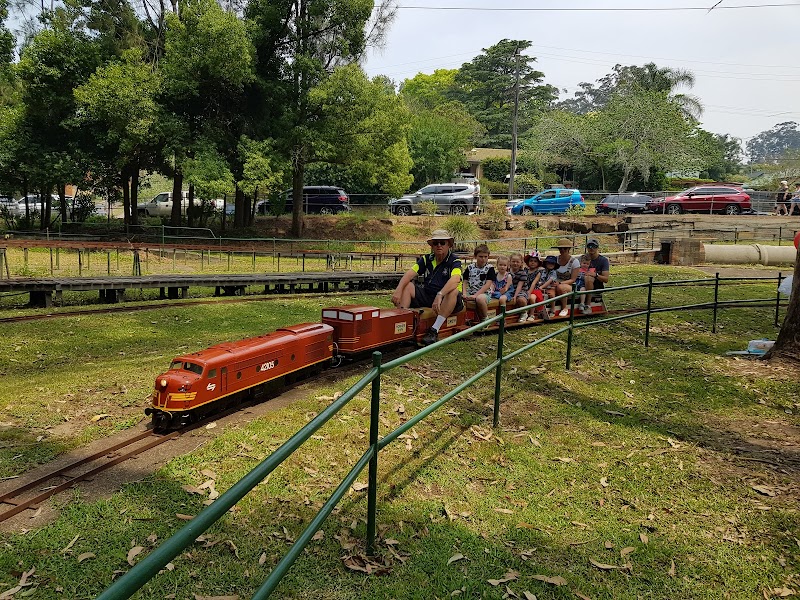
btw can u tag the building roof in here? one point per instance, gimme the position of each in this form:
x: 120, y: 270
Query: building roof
x: 480, y: 154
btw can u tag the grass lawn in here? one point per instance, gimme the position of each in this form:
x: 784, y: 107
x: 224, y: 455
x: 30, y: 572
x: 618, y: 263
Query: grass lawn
x: 661, y: 472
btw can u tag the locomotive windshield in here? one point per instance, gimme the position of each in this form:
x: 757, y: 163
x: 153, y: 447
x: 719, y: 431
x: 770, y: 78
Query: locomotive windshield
x: 186, y: 366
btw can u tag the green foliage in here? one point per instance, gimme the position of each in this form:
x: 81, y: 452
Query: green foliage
x: 494, y: 216
x: 531, y: 224
x: 526, y: 184
x: 774, y: 144
x: 428, y: 207
x: 576, y: 210
x: 496, y: 168
x: 462, y: 229
x: 426, y: 92
x: 494, y: 188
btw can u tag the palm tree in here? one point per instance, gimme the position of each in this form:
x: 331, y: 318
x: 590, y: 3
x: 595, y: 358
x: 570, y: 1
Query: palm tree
x: 651, y: 77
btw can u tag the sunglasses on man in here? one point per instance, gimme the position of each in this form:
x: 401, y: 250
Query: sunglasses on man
x: 438, y: 242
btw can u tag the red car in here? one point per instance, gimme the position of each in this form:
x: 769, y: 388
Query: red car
x: 726, y: 199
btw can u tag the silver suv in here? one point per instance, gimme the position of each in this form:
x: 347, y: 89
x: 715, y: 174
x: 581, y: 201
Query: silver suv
x: 454, y: 198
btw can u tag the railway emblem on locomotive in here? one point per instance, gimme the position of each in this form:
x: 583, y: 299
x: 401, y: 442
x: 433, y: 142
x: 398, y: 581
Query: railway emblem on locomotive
x: 211, y: 387
x: 452, y: 321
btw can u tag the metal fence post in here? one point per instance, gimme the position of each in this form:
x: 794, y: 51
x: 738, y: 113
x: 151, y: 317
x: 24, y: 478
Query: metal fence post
x: 571, y: 329
x: 372, y: 490
x: 778, y: 300
x: 716, y: 298
x: 649, y: 307
x: 498, y: 376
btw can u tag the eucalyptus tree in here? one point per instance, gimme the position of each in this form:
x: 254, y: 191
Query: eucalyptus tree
x: 205, y: 68
x: 299, y: 45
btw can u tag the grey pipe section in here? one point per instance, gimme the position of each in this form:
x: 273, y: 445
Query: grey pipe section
x: 750, y: 254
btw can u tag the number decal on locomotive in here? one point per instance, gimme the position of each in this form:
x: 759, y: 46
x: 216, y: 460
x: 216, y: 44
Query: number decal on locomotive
x: 211, y: 387
x: 452, y: 321
x: 399, y: 328
x: 268, y: 365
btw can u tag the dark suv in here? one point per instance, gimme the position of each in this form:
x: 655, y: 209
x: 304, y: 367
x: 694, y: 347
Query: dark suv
x: 321, y: 199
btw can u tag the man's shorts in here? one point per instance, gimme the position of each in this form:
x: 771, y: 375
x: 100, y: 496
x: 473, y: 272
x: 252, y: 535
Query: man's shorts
x: 424, y: 299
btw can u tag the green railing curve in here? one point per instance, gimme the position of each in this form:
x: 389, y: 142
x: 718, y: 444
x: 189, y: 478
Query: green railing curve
x: 146, y: 569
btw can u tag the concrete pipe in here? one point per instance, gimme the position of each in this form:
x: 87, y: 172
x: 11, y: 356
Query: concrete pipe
x: 750, y: 254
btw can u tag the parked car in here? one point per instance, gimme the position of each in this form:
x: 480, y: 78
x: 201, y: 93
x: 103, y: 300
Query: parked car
x: 455, y: 198
x: 549, y: 202
x: 161, y: 204
x: 704, y: 198
x: 623, y: 203
x: 319, y: 199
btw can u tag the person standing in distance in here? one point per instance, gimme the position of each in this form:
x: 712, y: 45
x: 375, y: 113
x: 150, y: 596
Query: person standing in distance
x: 784, y: 195
x: 442, y: 288
x: 599, y: 267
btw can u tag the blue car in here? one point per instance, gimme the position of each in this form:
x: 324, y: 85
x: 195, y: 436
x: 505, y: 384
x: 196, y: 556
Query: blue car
x: 549, y: 202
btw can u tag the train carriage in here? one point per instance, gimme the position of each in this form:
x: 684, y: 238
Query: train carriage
x: 358, y: 329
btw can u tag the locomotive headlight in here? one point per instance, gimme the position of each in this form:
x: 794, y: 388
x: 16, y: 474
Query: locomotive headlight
x: 164, y: 383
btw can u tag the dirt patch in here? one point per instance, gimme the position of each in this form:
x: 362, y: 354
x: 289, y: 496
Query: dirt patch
x: 319, y: 227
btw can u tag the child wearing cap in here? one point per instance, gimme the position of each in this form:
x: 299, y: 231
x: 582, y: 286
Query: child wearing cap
x: 548, y: 281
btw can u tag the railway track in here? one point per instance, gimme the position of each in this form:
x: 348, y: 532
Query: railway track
x: 30, y: 495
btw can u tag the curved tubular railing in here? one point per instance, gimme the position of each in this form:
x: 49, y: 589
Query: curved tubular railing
x: 140, y: 574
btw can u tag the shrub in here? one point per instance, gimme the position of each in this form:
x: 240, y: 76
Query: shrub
x: 526, y: 184
x: 494, y: 188
x: 532, y: 224
x: 495, y: 215
x: 428, y: 207
x: 462, y: 229
x: 575, y: 210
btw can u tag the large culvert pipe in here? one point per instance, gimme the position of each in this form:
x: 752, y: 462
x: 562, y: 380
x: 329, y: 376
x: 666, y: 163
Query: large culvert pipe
x: 750, y: 254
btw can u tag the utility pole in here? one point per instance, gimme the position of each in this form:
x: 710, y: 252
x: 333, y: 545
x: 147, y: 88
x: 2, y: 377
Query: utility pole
x: 514, y: 127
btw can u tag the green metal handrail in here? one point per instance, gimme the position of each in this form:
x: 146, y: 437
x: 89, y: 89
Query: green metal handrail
x: 140, y: 574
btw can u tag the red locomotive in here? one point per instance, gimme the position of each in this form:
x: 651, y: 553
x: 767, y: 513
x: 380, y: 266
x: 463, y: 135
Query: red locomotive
x: 203, y: 382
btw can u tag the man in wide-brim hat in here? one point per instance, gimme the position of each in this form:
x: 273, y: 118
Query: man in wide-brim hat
x: 442, y: 288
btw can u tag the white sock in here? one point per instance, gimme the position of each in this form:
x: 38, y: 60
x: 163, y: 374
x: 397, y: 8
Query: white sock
x: 438, y: 323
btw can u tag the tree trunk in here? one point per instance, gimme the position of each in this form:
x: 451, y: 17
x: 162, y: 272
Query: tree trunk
x: 297, y: 198
x: 787, y: 346
x: 66, y: 215
x: 45, y: 200
x: 626, y: 179
x: 134, y: 196
x: 238, y: 214
x: 177, y: 198
x: 224, y: 212
x: 190, y: 207
x: 603, y: 176
x: 126, y: 199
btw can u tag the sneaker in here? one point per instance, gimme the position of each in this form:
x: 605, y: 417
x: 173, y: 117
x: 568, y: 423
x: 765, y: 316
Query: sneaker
x: 430, y: 338
x: 523, y: 317
x: 586, y: 309
x: 564, y: 312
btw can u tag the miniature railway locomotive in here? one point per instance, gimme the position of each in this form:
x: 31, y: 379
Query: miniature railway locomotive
x: 204, y: 382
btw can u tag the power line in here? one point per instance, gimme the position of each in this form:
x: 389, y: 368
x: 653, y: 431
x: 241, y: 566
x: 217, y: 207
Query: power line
x: 594, y: 9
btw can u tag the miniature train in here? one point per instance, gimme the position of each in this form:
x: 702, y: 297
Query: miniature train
x: 204, y: 382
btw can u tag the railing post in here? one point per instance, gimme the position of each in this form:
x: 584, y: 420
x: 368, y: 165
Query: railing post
x: 649, y: 307
x: 498, y: 376
x: 716, y: 298
x: 571, y: 321
x: 372, y: 490
x: 778, y: 300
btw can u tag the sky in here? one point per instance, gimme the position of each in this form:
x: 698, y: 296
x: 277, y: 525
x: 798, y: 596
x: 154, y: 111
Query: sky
x: 745, y: 60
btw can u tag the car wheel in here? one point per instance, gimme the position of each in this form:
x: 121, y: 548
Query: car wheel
x: 674, y: 209
x: 732, y: 209
x: 458, y: 209
x: 403, y: 211
x: 326, y: 210
x: 527, y: 212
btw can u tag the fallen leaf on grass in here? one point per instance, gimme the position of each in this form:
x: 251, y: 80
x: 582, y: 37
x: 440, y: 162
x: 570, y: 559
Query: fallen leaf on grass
x: 615, y: 413
x: 319, y: 535
x: 455, y: 557
x: 557, y: 580
x: 605, y: 566
x: 263, y: 558
x: 199, y: 597
x: 183, y: 517
x: 528, y: 595
x: 581, y: 596
x: 782, y: 592
x: 563, y: 459
x: 97, y: 418
x: 644, y: 539
x: 509, y: 576
x: 504, y: 511
x: 765, y: 490
x: 86, y: 556
x: 192, y: 489
x: 671, y: 571
x: 71, y: 544
x: 627, y: 550
x: 359, y: 487
x: 133, y: 552
x: 208, y: 473
x: 604, y: 481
